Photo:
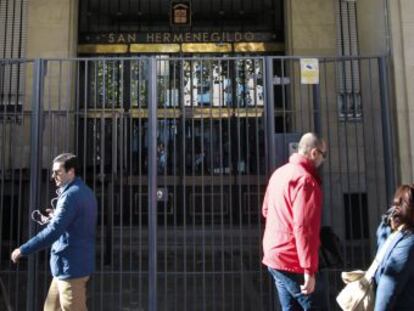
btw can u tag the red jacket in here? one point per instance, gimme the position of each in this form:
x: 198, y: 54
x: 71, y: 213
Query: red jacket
x: 292, y: 208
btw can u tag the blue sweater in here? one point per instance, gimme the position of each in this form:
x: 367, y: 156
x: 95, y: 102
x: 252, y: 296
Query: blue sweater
x: 71, y: 233
x: 395, y: 275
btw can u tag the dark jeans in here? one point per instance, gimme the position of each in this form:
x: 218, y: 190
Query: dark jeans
x: 288, y: 290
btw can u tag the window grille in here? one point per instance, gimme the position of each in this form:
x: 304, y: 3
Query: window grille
x: 348, y: 73
x: 13, y: 34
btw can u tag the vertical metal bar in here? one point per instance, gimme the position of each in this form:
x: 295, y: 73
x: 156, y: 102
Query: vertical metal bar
x: 240, y: 76
x: 269, y: 114
x: 284, y: 104
x: 232, y: 130
x: 258, y: 165
x: 327, y: 215
x: 164, y: 140
x: 245, y: 204
x: 260, y: 171
x: 130, y: 141
x: 3, y: 152
x: 316, y: 90
x: 94, y: 129
x: 102, y: 159
x: 194, y: 101
x: 122, y: 146
x: 19, y: 204
x: 348, y: 176
x: 365, y: 169
x: 299, y: 90
x: 222, y: 163
x: 141, y: 166
x: 35, y: 166
x: 20, y: 32
x: 91, y: 83
x: 11, y: 80
x: 6, y: 137
x: 211, y: 185
x: 184, y: 182
x: 348, y: 179
x: 386, y: 129
x: 47, y: 106
x: 77, y: 65
x: 6, y: 22
x: 152, y: 185
x: 113, y: 122
x: 372, y: 130
x: 227, y: 231
x: 340, y: 154
x: 85, y: 119
x: 175, y: 186
x: 357, y: 131
x: 7, y: 143
x: 328, y: 136
x: 203, y: 204
x: 67, y: 102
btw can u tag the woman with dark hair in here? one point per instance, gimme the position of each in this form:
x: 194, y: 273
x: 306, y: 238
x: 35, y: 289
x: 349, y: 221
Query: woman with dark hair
x: 394, y: 277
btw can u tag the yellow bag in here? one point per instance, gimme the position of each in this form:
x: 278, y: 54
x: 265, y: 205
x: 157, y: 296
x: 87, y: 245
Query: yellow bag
x: 358, y: 294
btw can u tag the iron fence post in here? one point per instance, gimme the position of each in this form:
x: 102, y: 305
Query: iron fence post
x: 269, y: 114
x: 35, y: 166
x: 386, y: 129
x: 152, y: 185
x: 316, y: 108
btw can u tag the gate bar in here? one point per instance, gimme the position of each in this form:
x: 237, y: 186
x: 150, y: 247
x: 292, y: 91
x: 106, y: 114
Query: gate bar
x: 35, y: 166
x: 386, y: 129
x: 316, y: 93
x: 269, y: 114
x: 152, y: 185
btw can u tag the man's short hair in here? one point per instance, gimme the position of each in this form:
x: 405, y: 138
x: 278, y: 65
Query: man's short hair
x: 69, y: 161
x: 309, y: 141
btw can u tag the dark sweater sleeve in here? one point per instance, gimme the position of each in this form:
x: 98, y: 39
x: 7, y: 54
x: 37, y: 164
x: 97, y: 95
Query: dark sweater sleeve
x: 64, y: 215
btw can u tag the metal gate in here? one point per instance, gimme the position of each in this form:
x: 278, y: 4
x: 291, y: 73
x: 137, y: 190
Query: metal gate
x: 178, y: 152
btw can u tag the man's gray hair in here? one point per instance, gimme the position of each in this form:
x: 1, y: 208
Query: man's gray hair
x: 69, y: 160
x: 308, y: 142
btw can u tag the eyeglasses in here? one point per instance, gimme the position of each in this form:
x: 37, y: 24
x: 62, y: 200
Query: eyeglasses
x: 56, y: 172
x: 324, y: 154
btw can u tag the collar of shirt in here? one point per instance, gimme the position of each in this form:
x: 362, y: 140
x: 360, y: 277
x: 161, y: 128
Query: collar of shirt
x: 65, y: 186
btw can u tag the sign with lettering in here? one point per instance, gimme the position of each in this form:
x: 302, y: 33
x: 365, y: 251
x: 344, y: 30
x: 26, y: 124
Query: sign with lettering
x: 177, y: 37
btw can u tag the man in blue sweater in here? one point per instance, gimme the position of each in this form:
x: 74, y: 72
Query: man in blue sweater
x: 71, y: 232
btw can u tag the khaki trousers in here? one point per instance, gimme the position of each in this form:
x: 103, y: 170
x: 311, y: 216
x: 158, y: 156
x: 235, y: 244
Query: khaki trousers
x: 67, y: 295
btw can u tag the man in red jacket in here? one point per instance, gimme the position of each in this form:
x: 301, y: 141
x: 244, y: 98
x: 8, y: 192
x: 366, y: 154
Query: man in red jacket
x: 292, y: 208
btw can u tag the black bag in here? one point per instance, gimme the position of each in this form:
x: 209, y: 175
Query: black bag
x: 330, y: 251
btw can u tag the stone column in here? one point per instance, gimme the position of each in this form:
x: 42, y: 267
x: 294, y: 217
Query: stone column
x: 52, y: 28
x: 401, y: 14
x: 310, y: 27
x: 52, y: 32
